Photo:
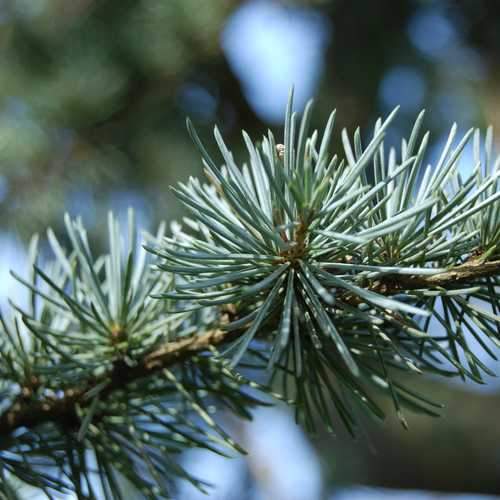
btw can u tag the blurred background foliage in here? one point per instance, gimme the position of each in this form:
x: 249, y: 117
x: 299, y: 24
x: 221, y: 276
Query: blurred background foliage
x: 93, y: 98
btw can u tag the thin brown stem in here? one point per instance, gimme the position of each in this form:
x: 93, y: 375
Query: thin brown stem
x: 25, y: 412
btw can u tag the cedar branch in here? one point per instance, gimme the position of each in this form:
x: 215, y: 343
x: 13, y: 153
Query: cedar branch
x: 29, y: 414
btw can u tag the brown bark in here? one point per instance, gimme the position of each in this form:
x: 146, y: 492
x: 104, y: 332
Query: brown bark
x: 27, y: 413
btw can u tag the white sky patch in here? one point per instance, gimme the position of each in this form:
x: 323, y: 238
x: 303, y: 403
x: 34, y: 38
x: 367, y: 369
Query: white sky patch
x: 13, y: 256
x: 281, y: 463
x: 284, y: 457
x: 362, y: 493
x: 271, y: 48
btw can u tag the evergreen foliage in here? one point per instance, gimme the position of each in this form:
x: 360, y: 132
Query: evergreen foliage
x: 333, y: 275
